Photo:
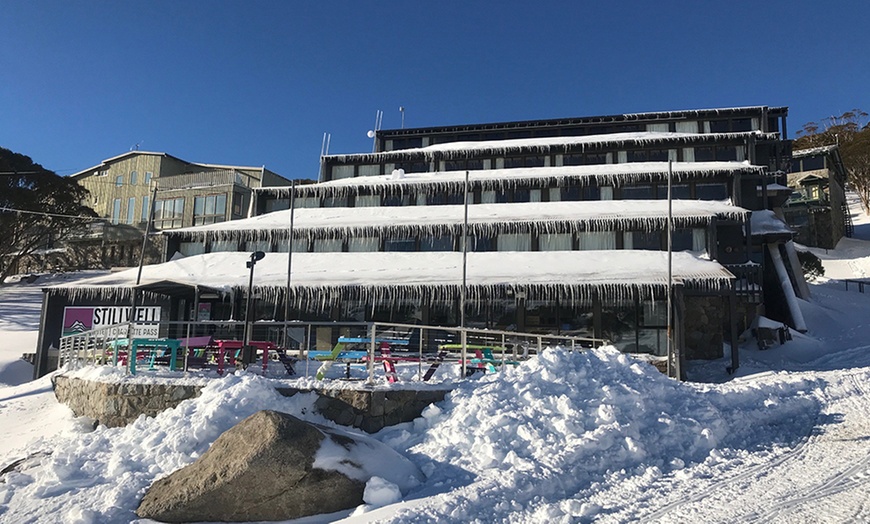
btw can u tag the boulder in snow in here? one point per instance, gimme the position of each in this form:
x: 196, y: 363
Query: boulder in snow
x: 273, y: 466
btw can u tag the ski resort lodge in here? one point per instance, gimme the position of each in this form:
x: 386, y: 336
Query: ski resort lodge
x: 566, y: 229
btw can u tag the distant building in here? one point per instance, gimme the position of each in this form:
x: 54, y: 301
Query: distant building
x: 189, y: 194
x: 817, y: 210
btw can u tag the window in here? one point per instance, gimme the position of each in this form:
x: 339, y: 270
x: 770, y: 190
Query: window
x: 224, y: 246
x: 258, y: 245
x: 339, y: 172
x: 704, y: 154
x: 711, y: 192
x: 638, y: 193
x: 367, y: 201
x: 514, y: 242
x: 328, y: 201
x: 116, y: 211
x: 678, y: 192
x: 555, y: 242
x: 131, y: 210
x: 400, y: 244
x: 209, y: 209
x: 191, y: 248
x: 300, y: 245
x: 681, y: 240
x: 168, y: 213
x: 238, y: 203
x: 813, y: 163
x: 649, y: 240
x: 524, y: 161
x: 436, y: 243
x: 451, y: 198
x: 726, y: 153
x: 119, y: 180
x: 718, y: 126
x: 397, y: 200
x: 741, y: 124
x: 134, y: 177
x: 369, y: 170
x: 148, y: 175
x: 597, y: 240
x: 407, y: 143
x: 476, y: 243
x: 328, y: 245
x: 362, y: 244
x: 146, y: 201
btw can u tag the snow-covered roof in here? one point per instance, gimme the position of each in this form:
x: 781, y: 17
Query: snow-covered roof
x: 765, y: 222
x: 545, y: 144
x: 585, y: 120
x: 813, y: 151
x: 327, y: 277
x: 501, y: 179
x: 802, y: 176
x: 596, y: 215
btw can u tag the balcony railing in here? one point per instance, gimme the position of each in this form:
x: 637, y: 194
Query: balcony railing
x: 223, y: 177
x: 749, y: 283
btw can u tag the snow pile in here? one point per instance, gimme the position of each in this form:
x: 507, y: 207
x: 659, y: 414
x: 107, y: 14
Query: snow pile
x: 553, y: 430
x: 100, y: 476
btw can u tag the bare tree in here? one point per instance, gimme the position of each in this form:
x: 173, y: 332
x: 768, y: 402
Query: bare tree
x: 852, y: 133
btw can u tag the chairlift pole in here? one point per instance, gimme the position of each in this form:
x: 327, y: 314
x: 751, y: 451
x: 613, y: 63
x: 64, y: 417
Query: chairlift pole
x: 673, y: 357
x: 132, y: 319
x: 462, y: 292
x: 289, y: 264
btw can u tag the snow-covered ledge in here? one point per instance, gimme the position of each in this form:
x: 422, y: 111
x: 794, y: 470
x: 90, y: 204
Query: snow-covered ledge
x: 116, y: 404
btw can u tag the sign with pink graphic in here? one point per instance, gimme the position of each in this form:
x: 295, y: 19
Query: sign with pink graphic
x: 77, y: 319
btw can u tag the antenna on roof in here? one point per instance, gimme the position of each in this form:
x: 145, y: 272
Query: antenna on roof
x: 324, y: 145
x: 402, y: 110
x: 135, y: 147
x: 373, y: 133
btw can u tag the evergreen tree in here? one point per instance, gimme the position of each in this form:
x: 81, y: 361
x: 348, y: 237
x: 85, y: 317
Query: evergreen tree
x: 38, y: 209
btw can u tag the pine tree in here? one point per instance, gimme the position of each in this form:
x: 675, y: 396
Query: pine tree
x: 36, y: 206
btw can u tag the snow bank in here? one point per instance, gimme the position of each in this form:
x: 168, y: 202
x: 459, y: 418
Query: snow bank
x: 554, y: 429
x: 100, y: 476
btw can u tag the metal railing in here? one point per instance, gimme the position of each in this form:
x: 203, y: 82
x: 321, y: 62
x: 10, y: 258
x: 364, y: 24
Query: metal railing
x: 749, y: 283
x: 860, y: 284
x: 101, y: 346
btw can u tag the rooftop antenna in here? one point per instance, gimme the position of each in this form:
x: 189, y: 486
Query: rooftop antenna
x: 135, y: 146
x: 402, y: 110
x: 373, y: 133
x: 324, y: 145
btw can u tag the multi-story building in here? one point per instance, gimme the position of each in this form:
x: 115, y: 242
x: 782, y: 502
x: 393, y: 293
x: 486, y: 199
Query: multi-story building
x: 566, y: 231
x: 188, y: 194
x: 817, y: 210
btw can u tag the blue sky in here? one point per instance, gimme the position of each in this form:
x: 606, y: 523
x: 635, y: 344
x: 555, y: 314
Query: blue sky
x: 258, y: 83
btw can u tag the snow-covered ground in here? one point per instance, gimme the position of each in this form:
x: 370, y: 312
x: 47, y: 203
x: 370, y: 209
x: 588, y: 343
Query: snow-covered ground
x: 565, y: 437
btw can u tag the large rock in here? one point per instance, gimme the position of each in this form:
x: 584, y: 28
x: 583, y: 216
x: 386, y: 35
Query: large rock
x: 264, y: 469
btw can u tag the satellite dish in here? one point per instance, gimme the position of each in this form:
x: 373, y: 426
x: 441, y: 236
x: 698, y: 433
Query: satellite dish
x: 370, y: 134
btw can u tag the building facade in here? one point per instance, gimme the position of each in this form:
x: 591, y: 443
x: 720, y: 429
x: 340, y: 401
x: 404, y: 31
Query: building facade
x: 817, y: 210
x: 566, y: 231
x: 188, y: 193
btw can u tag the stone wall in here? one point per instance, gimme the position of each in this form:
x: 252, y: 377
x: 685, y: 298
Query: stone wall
x: 115, y: 405
x: 706, y: 318
x: 372, y: 410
